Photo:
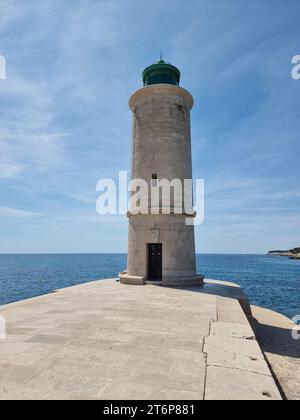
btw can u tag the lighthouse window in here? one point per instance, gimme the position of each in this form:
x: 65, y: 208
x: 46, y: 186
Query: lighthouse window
x: 154, y: 180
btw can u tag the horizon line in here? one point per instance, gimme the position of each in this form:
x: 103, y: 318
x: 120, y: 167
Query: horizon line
x: 122, y: 253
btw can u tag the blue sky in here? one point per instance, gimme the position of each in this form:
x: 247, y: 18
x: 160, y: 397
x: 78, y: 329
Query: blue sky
x: 65, y: 122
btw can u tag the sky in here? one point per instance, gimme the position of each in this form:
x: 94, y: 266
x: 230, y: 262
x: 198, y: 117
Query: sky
x: 65, y: 121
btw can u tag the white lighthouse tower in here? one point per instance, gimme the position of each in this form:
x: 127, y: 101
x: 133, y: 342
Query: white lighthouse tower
x: 161, y: 245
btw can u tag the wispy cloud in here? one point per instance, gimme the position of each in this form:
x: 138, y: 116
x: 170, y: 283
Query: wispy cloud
x: 83, y: 198
x: 64, y: 119
x: 17, y: 213
x: 29, y: 138
x: 9, y: 169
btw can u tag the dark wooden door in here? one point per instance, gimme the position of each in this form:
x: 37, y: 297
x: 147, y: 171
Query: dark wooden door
x: 155, y: 262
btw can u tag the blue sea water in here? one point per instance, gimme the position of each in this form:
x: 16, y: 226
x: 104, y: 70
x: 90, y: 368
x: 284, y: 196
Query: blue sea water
x: 269, y: 281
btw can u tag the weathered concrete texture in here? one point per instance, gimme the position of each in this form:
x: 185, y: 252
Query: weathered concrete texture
x: 196, y: 280
x: 236, y: 367
x: 230, y: 311
x: 161, y: 145
x: 133, y: 280
x: 235, y: 384
x: 274, y: 333
x: 106, y: 340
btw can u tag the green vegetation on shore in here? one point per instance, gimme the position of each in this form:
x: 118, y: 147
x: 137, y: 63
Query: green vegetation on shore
x: 293, y: 254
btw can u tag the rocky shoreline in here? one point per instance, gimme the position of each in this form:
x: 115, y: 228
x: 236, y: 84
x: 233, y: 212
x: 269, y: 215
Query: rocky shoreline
x: 292, y: 254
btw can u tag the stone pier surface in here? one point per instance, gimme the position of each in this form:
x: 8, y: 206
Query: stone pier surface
x: 106, y: 340
x: 276, y: 335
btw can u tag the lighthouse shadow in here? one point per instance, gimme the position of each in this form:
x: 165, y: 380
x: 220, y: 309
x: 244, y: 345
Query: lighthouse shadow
x: 219, y: 288
x: 274, y: 331
x: 277, y: 334
x: 277, y: 340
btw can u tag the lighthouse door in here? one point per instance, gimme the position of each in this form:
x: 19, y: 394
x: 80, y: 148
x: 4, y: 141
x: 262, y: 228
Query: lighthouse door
x: 155, y: 262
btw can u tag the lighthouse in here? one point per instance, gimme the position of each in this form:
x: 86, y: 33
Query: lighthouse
x: 161, y: 244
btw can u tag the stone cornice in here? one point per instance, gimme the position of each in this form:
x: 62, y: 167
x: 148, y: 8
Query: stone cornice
x: 161, y: 89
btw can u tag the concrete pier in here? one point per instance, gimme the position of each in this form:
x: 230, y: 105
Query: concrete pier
x: 275, y: 335
x: 106, y: 340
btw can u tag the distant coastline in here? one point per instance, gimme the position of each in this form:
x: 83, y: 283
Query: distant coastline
x: 293, y: 254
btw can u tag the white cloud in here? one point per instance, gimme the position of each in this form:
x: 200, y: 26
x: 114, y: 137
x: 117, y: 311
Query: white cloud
x: 83, y: 198
x: 17, y: 213
x: 64, y: 118
x: 29, y: 137
x: 9, y: 170
x: 9, y: 12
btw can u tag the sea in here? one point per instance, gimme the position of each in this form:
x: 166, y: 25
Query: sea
x: 269, y: 281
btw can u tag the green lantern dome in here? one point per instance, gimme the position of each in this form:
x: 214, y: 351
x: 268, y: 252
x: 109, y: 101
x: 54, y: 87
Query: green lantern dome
x: 161, y: 72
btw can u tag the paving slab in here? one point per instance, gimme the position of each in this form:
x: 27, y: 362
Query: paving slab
x: 235, y: 354
x: 234, y: 384
x: 229, y: 329
x: 106, y: 340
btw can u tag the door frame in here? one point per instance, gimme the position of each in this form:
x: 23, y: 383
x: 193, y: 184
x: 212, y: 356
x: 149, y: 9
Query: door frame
x: 147, y: 262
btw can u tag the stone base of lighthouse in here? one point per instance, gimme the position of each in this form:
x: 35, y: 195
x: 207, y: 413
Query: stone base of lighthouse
x: 161, y: 249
